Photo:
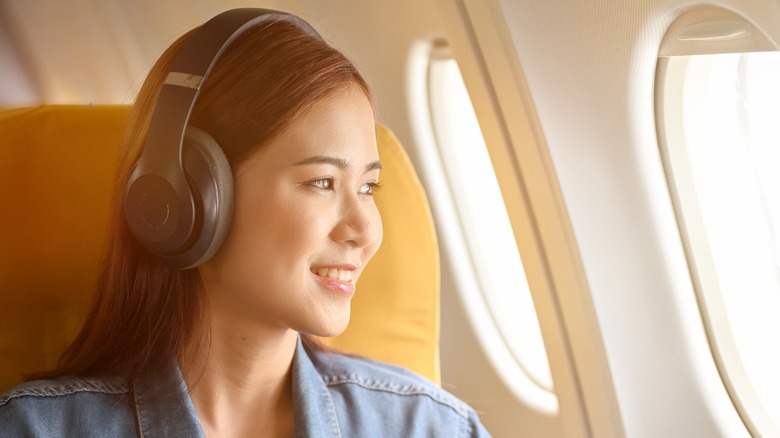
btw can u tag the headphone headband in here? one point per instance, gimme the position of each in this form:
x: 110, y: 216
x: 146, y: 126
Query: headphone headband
x: 160, y: 206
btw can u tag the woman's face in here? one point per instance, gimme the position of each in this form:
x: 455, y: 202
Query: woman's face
x: 304, y: 224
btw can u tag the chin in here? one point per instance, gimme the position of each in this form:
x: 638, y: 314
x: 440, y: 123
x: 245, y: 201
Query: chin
x: 329, y: 325
x: 333, y: 329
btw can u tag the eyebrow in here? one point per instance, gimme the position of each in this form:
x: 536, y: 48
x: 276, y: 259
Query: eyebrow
x: 337, y: 162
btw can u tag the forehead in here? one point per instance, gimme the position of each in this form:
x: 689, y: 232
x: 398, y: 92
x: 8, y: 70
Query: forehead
x: 340, y: 125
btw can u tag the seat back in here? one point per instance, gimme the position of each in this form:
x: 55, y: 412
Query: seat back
x: 57, y: 168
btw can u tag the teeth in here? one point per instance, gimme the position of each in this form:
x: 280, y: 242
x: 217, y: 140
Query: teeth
x: 336, y: 274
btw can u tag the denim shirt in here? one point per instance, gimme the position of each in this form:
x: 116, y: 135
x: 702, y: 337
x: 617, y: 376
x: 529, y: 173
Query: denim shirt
x: 333, y: 396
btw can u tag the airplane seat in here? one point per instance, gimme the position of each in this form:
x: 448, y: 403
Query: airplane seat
x: 57, y: 166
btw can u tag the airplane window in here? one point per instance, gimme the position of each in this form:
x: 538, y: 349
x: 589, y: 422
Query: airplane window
x: 494, y: 261
x: 719, y: 118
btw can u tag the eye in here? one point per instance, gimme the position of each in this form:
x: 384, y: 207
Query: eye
x: 369, y: 188
x: 322, y: 184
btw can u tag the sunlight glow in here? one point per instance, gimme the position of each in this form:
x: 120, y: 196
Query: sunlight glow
x: 731, y: 134
x: 485, y: 223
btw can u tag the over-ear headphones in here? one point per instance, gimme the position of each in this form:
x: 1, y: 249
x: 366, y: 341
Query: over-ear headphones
x: 179, y: 198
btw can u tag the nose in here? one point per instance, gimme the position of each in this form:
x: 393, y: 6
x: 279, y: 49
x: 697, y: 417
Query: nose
x: 358, y: 222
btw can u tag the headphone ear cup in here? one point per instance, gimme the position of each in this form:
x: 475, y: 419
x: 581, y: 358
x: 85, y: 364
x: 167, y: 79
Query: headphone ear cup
x: 209, y: 172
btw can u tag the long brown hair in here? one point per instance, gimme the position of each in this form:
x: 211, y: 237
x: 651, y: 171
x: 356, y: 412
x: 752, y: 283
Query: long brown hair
x: 145, y: 313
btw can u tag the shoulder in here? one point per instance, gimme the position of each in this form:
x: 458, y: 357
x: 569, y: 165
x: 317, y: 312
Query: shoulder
x: 44, y: 407
x: 391, y: 395
x: 62, y: 387
x: 338, y: 370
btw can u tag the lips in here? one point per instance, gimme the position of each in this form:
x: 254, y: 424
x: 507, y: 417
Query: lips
x: 335, y: 278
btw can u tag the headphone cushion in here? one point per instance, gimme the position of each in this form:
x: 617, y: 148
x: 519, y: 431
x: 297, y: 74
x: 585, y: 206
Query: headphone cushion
x: 216, y: 192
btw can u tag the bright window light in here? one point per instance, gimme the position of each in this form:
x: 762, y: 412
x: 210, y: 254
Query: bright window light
x: 725, y: 159
x: 487, y: 232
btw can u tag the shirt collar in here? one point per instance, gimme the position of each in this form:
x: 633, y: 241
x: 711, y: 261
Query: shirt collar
x: 164, y: 407
x: 315, y: 414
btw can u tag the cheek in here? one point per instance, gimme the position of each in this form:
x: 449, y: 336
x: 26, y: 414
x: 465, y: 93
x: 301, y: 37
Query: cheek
x: 376, y: 226
x: 262, y: 223
x: 295, y: 227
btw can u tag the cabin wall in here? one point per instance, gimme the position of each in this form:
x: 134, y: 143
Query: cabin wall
x: 590, y: 71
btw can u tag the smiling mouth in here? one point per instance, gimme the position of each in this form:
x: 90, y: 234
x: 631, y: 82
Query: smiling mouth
x: 333, y: 273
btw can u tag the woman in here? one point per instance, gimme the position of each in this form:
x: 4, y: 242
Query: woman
x: 273, y: 226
